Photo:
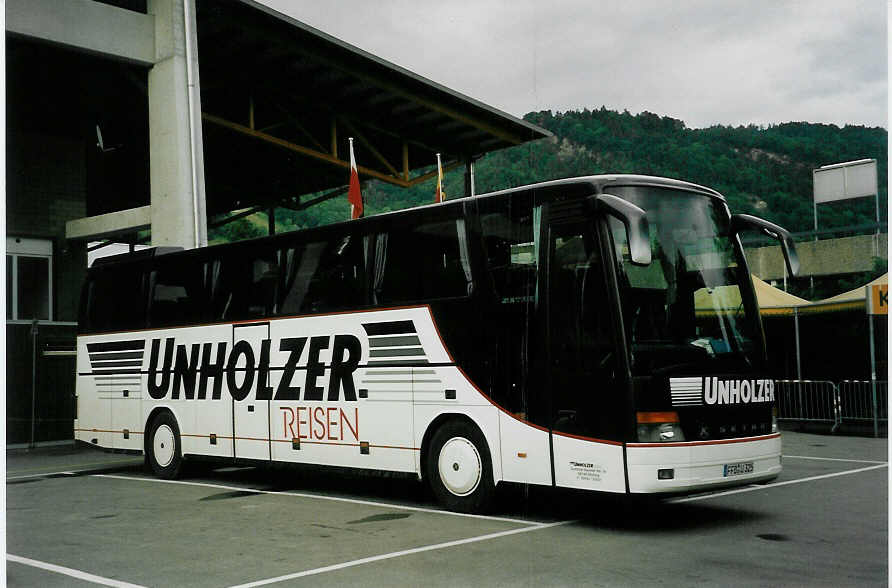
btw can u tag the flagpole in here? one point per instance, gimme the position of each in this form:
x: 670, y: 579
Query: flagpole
x: 352, y: 164
x: 439, y: 196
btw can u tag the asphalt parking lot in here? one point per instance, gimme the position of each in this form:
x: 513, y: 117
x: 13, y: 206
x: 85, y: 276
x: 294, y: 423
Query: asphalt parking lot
x: 82, y: 517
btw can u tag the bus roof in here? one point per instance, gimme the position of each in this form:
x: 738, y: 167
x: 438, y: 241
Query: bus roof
x: 597, y: 183
x: 601, y: 182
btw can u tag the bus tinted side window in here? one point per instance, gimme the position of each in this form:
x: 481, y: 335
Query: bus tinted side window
x: 114, y: 300
x: 339, y: 281
x: 507, y: 227
x: 425, y: 261
x: 178, y: 296
x: 323, y: 276
x: 244, y: 284
x: 299, y: 264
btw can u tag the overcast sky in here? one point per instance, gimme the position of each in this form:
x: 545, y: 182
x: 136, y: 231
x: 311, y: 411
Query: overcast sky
x: 703, y: 61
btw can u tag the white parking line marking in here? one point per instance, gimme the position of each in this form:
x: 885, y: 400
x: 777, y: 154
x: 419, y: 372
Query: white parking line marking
x: 385, y: 556
x: 70, y: 472
x: 834, y: 459
x: 66, y: 472
x: 321, y: 497
x: 767, y: 486
x: 70, y: 572
x: 82, y: 467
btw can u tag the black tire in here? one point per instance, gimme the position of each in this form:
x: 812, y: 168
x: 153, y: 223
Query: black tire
x: 163, y: 449
x: 459, y: 469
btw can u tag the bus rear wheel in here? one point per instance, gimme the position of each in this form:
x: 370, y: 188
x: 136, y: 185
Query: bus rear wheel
x: 163, y: 447
x: 459, y: 469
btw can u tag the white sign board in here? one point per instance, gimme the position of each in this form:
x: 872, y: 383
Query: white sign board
x: 841, y: 181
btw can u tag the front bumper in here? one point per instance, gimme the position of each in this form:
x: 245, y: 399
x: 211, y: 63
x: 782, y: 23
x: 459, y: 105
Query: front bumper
x: 699, y: 465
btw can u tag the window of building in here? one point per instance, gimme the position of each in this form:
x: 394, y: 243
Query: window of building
x: 29, y: 279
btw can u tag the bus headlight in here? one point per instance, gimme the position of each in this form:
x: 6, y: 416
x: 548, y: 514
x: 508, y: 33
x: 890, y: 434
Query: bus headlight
x: 659, y: 427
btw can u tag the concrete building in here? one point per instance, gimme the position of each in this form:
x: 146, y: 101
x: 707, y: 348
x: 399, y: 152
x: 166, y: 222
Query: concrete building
x: 138, y: 120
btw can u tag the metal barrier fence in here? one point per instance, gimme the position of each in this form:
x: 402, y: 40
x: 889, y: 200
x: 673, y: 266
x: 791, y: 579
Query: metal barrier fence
x: 821, y: 401
x: 809, y: 401
x: 856, y: 400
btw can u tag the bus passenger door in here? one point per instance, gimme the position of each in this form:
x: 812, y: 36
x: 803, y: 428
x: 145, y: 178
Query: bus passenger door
x: 251, y: 349
x: 580, y: 376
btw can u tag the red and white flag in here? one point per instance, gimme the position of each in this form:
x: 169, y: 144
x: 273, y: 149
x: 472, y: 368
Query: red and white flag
x: 353, y: 195
x: 440, y: 196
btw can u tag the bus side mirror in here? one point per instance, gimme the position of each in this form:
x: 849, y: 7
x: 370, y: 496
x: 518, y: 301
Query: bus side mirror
x: 746, y: 222
x: 635, y: 221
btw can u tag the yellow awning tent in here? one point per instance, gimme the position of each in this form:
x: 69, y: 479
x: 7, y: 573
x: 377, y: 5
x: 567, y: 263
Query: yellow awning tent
x: 772, y: 301
x: 851, y: 300
x: 776, y: 302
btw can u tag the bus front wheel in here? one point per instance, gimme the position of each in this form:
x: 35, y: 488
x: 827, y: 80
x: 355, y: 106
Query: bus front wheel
x: 163, y: 447
x: 459, y: 469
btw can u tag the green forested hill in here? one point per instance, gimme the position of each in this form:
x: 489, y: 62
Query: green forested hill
x: 761, y: 170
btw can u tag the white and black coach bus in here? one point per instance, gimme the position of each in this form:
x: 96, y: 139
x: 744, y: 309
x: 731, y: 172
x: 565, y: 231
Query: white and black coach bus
x: 598, y: 333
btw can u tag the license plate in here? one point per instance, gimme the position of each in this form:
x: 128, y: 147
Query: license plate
x: 736, y: 469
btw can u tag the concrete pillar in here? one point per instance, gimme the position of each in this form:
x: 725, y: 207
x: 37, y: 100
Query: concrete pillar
x: 176, y: 166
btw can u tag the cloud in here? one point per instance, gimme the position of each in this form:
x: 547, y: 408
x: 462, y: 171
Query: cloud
x: 705, y: 62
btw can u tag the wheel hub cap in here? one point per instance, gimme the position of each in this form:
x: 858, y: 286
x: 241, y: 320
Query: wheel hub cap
x: 460, y: 466
x: 163, y: 446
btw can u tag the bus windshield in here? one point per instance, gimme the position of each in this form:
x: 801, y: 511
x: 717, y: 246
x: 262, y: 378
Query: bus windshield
x: 691, y: 310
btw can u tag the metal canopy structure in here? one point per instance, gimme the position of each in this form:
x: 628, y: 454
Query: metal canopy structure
x: 279, y: 100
